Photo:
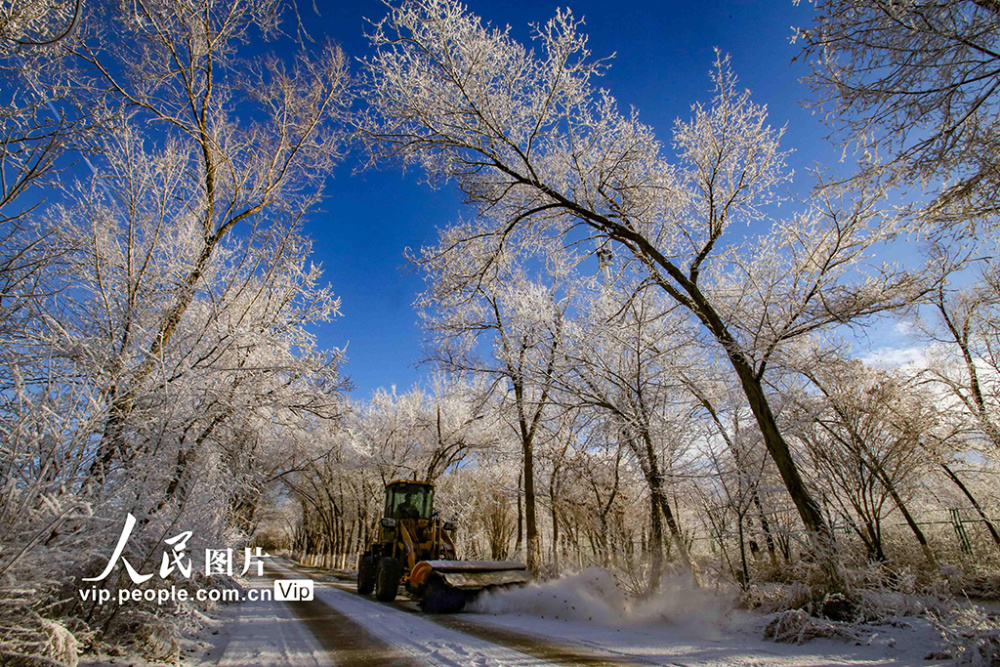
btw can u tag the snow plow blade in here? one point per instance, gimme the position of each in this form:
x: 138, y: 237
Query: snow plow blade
x: 445, y: 586
x: 474, y: 574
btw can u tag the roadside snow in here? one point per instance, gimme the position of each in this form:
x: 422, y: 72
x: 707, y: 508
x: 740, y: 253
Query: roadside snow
x: 250, y: 634
x: 585, y: 613
x: 685, y: 625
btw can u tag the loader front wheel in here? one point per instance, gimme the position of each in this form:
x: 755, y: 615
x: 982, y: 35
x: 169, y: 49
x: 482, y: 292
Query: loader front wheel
x: 387, y: 579
x: 366, y: 574
x: 440, y: 598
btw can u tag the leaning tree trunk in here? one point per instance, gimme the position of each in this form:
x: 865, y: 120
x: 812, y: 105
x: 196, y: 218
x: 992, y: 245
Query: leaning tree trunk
x: 914, y: 527
x: 808, y: 509
x: 968, y: 494
x: 824, y: 545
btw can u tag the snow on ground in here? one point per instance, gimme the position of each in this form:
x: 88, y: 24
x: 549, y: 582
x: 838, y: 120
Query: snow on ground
x: 665, y: 644
x: 586, y: 612
x: 423, y: 640
x: 266, y: 633
x: 250, y: 634
x: 686, y: 626
x: 682, y: 626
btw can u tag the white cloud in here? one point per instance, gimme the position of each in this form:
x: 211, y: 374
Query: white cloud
x: 895, y: 357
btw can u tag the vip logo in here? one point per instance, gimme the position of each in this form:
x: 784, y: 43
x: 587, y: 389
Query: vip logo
x: 293, y: 590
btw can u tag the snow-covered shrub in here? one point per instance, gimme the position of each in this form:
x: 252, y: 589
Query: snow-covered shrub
x: 157, y: 640
x: 883, y: 593
x: 769, y: 598
x: 972, y: 635
x: 27, y: 639
x: 977, y: 580
x: 796, y: 626
x: 805, y: 587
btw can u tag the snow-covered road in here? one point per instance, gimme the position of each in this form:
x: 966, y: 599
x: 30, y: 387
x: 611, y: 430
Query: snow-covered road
x: 440, y: 641
x: 341, y: 628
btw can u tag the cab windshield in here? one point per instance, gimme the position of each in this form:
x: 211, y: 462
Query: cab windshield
x: 409, y: 501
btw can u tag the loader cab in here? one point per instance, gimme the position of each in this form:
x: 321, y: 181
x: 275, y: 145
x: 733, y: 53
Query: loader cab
x: 409, y: 500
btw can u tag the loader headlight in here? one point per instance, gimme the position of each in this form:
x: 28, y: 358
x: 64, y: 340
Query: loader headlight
x: 388, y: 522
x: 450, y: 525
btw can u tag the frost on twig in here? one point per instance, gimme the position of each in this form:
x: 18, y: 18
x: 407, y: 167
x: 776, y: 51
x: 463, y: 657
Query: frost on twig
x: 973, y: 635
x: 796, y: 626
x: 27, y: 639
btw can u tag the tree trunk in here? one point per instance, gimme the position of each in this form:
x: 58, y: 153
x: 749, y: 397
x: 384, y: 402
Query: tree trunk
x: 968, y: 494
x: 745, y: 575
x: 520, y: 516
x: 919, y: 534
x: 533, y: 550
x: 809, y: 511
x: 660, y: 500
x: 874, y: 542
x: 766, y: 527
x: 555, y: 531
x: 655, y: 544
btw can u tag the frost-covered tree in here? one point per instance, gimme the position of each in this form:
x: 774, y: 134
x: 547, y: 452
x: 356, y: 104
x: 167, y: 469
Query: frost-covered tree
x: 544, y: 154
x: 870, y: 456
x: 240, y: 352
x: 38, y: 126
x: 603, y: 509
x: 163, y: 365
x: 915, y: 84
x: 624, y: 362
x: 963, y: 323
x: 734, y: 468
x: 423, y: 433
x: 520, y: 319
x: 26, y: 23
x: 177, y: 66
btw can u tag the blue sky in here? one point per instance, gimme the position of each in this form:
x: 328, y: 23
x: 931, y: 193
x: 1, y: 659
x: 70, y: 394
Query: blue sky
x: 663, y: 54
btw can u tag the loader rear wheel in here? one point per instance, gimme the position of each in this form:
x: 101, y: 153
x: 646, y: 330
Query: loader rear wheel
x: 366, y: 574
x: 387, y: 579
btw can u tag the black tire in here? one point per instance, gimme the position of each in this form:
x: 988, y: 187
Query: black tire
x: 366, y: 574
x: 387, y: 579
x: 440, y: 598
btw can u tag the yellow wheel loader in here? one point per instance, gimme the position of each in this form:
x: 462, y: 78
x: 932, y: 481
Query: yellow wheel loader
x: 415, y: 548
